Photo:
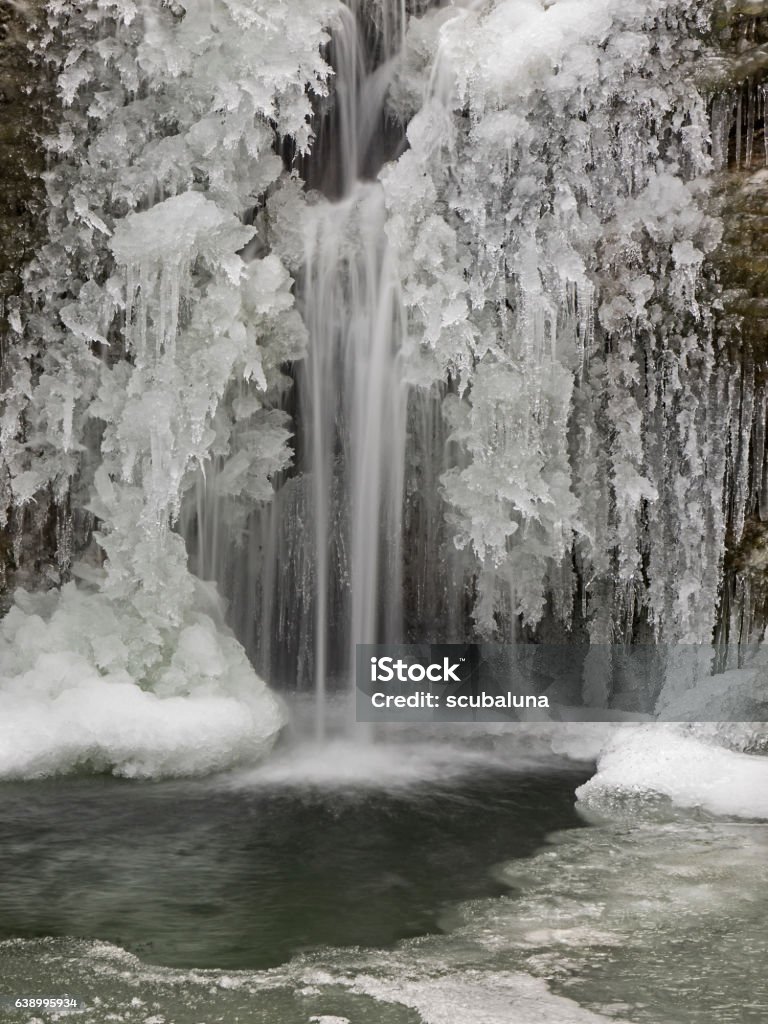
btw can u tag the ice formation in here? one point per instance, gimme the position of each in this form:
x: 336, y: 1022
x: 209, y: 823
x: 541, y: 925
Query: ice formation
x: 660, y: 762
x: 486, y: 997
x: 568, y: 277
x: 89, y: 684
x: 572, y: 402
x: 468, y: 268
x: 145, y: 316
x: 569, y: 371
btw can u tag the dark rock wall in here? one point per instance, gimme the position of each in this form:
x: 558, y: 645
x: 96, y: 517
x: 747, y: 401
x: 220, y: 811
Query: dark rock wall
x: 742, y: 266
x: 27, y: 540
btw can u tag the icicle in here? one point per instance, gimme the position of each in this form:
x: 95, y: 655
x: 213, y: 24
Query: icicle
x: 763, y: 492
x: 720, y: 118
x: 741, y: 443
x: 759, y: 451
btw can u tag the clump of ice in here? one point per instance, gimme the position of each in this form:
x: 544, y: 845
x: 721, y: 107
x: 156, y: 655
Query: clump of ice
x: 165, y: 140
x: 87, y: 684
x: 663, y: 761
x: 549, y: 238
x: 705, y: 754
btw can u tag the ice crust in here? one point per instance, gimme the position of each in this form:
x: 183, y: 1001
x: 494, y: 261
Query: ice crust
x: 481, y: 997
x: 428, y: 978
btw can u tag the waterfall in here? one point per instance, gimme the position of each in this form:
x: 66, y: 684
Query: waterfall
x: 353, y: 396
x: 352, y: 387
x: 394, y: 322
x: 442, y: 299
x: 323, y: 564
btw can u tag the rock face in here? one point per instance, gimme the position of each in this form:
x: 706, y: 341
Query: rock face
x: 24, y: 95
x: 740, y: 113
x: 28, y: 540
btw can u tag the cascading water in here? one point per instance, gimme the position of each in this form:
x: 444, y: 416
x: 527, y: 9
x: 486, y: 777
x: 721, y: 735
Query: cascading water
x: 354, y: 398
x: 351, y: 390
x: 435, y: 343
x: 334, y: 575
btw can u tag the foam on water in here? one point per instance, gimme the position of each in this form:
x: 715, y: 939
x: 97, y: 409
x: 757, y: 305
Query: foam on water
x: 404, y: 755
x: 346, y: 763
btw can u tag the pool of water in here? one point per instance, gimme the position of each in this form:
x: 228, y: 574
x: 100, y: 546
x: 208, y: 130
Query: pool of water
x: 367, y: 884
x: 216, y: 875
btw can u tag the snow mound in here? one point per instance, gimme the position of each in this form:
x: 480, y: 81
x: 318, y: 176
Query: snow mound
x: 75, y: 718
x: 84, y: 687
x: 660, y: 761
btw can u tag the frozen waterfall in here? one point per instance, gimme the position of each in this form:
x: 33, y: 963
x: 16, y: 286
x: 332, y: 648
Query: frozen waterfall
x: 376, y: 321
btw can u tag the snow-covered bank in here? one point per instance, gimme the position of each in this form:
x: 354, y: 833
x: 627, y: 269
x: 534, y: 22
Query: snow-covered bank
x: 662, y: 761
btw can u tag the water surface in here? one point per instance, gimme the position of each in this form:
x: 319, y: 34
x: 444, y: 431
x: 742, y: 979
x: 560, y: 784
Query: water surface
x: 193, y: 874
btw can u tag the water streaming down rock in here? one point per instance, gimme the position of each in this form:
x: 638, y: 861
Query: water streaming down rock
x: 550, y: 294
x: 512, y: 204
x: 351, y: 387
x: 327, y: 564
x: 354, y: 397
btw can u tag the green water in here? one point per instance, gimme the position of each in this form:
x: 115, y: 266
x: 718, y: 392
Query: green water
x: 201, y: 875
x: 477, y: 895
